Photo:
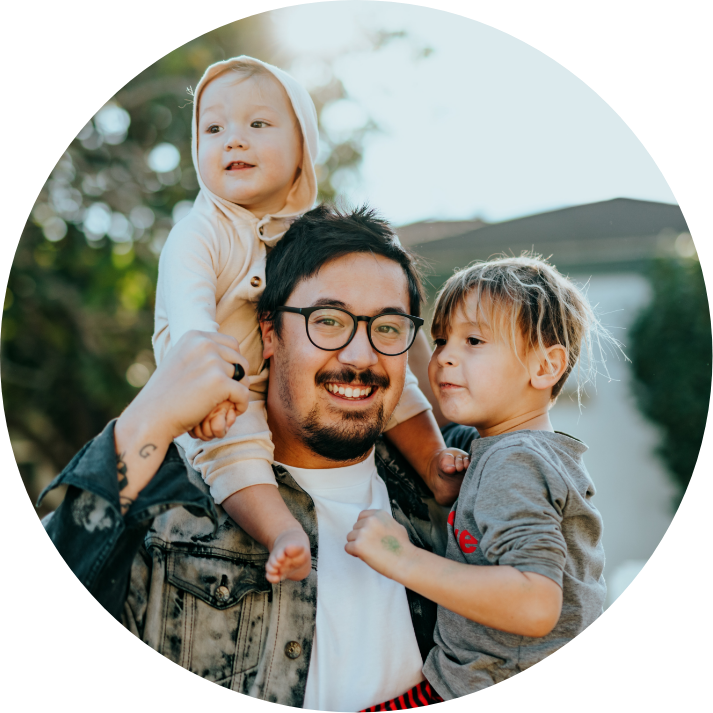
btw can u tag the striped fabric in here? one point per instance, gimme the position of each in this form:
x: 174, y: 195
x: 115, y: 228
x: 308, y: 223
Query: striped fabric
x: 420, y: 695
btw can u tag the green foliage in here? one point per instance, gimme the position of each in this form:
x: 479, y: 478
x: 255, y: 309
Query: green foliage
x: 671, y: 354
x: 78, y: 317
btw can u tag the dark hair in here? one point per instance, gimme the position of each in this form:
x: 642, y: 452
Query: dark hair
x: 324, y: 234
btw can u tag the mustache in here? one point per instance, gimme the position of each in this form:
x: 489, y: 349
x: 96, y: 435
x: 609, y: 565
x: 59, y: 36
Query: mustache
x: 348, y: 376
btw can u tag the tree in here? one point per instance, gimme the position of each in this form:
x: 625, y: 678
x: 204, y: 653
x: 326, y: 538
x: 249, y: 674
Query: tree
x: 78, y: 312
x: 671, y: 356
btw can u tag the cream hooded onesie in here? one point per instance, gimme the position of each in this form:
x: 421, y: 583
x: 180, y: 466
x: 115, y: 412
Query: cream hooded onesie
x: 212, y: 273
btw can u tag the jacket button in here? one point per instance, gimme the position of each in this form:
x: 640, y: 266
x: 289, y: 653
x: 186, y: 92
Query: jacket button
x: 255, y: 281
x: 222, y: 593
x: 292, y: 650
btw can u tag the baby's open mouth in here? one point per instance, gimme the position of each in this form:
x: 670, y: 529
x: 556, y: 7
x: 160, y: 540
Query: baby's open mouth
x: 353, y: 392
x: 236, y: 165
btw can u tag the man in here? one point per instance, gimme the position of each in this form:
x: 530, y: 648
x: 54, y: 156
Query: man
x: 339, y: 311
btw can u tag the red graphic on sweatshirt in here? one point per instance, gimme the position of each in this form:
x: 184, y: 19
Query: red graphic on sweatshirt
x: 465, y: 540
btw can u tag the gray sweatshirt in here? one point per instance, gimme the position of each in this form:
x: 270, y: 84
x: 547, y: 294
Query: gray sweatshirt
x: 526, y: 502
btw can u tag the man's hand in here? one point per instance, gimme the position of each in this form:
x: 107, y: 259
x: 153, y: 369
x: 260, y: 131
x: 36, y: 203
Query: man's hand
x: 446, y: 470
x: 381, y: 542
x: 194, y: 378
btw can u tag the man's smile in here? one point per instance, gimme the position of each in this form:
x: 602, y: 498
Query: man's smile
x: 350, y: 392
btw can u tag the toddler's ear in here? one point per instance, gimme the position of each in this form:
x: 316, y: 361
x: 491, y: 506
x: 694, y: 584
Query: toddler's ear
x: 546, y: 372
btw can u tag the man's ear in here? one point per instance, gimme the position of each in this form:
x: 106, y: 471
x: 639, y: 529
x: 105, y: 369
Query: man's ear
x: 546, y: 372
x: 268, y: 339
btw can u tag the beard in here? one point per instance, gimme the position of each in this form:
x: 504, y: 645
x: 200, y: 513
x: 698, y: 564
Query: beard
x: 355, y: 435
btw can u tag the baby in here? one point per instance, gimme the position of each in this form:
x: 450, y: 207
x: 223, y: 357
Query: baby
x: 522, y: 574
x: 254, y: 142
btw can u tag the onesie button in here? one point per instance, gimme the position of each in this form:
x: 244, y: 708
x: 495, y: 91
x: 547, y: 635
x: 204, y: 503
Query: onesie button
x: 222, y: 593
x: 255, y: 281
x: 292, y: 650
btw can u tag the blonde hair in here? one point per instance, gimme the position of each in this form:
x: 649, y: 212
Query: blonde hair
x: 528, y: 295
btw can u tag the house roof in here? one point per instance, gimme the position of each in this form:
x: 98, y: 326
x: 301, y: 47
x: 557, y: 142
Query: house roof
x: 617, y: 234
x: 428, y: 230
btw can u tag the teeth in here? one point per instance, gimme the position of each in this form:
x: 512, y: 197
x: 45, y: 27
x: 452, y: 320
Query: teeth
x: 349, y: 391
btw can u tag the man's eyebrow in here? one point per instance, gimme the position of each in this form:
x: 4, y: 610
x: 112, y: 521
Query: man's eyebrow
x: 329, y: 302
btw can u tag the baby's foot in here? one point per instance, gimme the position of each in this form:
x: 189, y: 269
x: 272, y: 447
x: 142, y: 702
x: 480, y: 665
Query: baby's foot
x: 290, y: 557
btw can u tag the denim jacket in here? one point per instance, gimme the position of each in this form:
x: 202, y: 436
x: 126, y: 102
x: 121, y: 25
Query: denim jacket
x: 190, y: 583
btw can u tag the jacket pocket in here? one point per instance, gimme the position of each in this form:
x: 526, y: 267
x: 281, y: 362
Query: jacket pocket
x: 215, y: 615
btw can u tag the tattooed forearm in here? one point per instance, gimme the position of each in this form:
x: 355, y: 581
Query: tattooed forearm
x: 147, y: 450
x: 124, y: 504
x: 122, y: 473
x: 121, y: 470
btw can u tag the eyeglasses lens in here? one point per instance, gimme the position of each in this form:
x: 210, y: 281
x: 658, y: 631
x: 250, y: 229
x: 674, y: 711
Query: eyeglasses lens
x: 391, y: 334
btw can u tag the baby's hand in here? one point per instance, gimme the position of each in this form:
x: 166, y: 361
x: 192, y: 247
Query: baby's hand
x: 290, y: 557
x: 448, y: 466
x: 380, y: 541
x: 217, y: 423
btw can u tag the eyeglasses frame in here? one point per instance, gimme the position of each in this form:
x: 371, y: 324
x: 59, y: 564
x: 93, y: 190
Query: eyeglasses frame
x: 306, y: 312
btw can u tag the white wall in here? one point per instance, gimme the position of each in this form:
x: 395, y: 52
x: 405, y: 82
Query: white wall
x: 634, y: 492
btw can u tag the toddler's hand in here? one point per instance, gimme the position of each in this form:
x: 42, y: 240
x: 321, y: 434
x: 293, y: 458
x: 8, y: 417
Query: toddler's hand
x: 216, y: 423
x: 290, y: 557
x: 380, y: 541
x: 448, y: 466
x: 219, y: 421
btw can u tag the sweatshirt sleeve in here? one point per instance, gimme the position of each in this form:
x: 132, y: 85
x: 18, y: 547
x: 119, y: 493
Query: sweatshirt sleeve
x: 187, y: 284
x: 518, y: 509
x: 411, y: 403
x: 240, y: 459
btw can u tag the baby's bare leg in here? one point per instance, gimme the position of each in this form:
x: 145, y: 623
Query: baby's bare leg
x: 262, y: 513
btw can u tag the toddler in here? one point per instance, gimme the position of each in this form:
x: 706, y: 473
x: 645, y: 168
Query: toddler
x: 522, y: 574
x: 254, y: 142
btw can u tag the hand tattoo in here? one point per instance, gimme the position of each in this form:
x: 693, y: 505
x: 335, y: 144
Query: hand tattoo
x: 124, y: 504
x: 147, y: 450
x: 121, y: 471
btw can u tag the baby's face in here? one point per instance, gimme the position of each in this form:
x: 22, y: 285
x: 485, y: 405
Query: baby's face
x: 249, y: 141
x: 477, y: 379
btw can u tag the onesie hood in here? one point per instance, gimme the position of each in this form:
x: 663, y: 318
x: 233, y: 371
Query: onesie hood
x: 303, y: 194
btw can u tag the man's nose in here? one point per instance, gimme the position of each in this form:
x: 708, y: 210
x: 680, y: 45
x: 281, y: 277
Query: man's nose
x: 359, y: 353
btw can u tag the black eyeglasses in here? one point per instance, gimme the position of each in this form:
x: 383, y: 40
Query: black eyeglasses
x: 332, y: 328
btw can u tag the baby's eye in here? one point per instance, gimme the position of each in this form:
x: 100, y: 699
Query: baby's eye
x: 439, y: 342
x: 474, y: 341
x: 258, y: 124
x: 213, y: 129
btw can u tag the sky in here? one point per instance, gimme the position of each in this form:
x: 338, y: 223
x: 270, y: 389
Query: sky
x: 483, y: 126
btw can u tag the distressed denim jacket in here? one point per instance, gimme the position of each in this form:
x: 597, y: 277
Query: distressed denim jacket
x: 191, y: 584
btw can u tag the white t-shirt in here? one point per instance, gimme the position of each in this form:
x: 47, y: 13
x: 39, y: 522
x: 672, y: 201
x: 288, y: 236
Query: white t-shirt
x: 365, y: 650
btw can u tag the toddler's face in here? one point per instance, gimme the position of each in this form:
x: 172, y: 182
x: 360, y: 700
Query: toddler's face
x: 249, y: 141
x: 477, y: 379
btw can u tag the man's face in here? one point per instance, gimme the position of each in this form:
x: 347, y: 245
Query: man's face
x: 249, y: 141
x: 313, y: 424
